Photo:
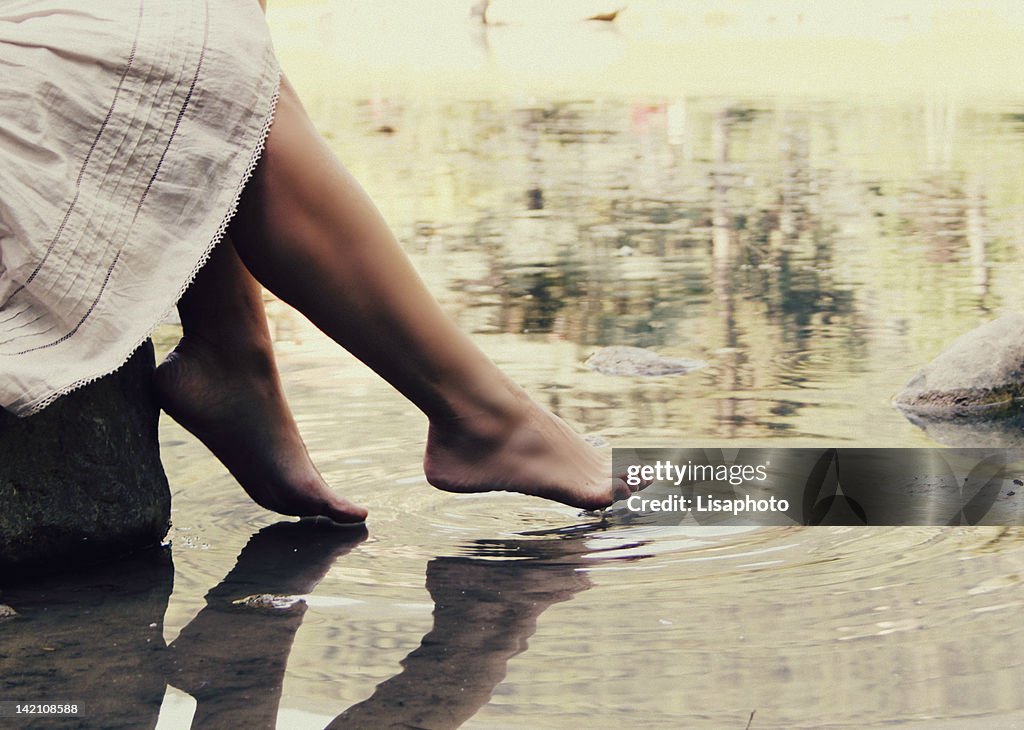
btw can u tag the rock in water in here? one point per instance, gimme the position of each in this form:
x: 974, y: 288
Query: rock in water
x: 982, y: 373
x: 269, y: 602
x: 82, y: 479
x: 619, y: 360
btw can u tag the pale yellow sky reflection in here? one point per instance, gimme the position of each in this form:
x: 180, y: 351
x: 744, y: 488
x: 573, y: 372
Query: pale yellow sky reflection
x: 655, y: 46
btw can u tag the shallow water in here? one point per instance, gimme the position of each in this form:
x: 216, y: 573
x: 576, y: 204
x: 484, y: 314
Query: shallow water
x: 813, y: 249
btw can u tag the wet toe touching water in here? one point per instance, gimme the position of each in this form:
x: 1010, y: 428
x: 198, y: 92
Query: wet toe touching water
x: 804, y: 249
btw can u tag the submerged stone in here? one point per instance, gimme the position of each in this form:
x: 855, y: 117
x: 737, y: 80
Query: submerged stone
x: 619, y: 360
x: 82, y: 479
x: 980, y: 374
x: 269, y: 601
x: 7, y: 612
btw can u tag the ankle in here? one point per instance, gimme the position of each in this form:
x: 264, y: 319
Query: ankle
x: 484, y: 420
x: 230, y: 353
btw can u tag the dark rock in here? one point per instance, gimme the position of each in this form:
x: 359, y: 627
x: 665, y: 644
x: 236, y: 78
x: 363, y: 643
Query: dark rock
x: 981, y: 373
x: 95, y: 637
x: 82, y: 479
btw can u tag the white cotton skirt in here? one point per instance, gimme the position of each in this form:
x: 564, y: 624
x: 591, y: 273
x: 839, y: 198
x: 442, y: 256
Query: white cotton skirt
x: 128, y: 129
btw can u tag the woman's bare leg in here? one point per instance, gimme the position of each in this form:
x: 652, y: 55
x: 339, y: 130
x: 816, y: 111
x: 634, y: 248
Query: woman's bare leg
x: 221, y: 383
x: 309, y: 233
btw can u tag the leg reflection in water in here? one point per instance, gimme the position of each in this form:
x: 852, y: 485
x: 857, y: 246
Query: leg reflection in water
x: 232, y: 657
x: 484, y: 611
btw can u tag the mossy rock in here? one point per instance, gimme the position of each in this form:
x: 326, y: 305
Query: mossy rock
x: 82, y: 479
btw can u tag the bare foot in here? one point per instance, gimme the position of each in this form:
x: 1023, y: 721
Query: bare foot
x: 533, y: 452
x: 238, y: 411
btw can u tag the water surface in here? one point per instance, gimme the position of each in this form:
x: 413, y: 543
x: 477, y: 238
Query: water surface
x: 815, y: 244
x: 815, y: 253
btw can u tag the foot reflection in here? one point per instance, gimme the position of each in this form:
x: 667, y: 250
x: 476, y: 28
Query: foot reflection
x: 98, y: 635
x: 485, y: 608
x: 232, y: 656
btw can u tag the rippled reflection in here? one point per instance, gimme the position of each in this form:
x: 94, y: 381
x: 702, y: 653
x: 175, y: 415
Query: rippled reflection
x: 485, y: 609
x: 232, y: 656
x: 586, y: 623
x: 815, y: 251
